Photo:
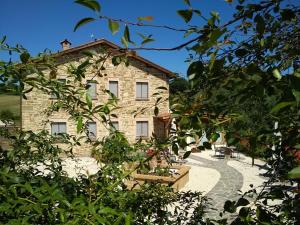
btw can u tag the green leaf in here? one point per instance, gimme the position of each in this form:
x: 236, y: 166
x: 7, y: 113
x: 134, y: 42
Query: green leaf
x: 127, y: 33
x: 128, y: 219
x: 146, y: 39
x: 79, y: 124
x: 241, y: 52
x: 162, y: 88
x: 297, y: 146
x: 244, y: 212
x: 24, y: 57
x: 186, y: 14
x: 214, y: 137
x: 207, y: 145
x: 260, y: 24
x: 277, y: 74
x: 294, y: 173
x: 296, y: 95
x: 195, y: 70
x: 126, y: 37
x: 175, y: 148
x: 229, y: 206
x: 113, y: 26
x: 287, y: 14
x: 88, y: 99
x: 82, y: 22
x: 280, y: 106
x: 124, y: 42
x: 156, y: 111
x: 215, y: 34
x: 91, y: 4
x: 242, y: 202
x: 187, y: 154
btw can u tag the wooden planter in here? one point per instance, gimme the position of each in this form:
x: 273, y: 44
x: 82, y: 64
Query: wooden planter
x: 177, y: 181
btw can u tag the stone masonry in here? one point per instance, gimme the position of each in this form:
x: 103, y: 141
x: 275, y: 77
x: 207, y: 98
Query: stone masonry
x: 33, y: 116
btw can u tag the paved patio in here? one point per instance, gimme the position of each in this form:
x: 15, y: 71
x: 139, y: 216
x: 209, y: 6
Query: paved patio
x: 234, y: 176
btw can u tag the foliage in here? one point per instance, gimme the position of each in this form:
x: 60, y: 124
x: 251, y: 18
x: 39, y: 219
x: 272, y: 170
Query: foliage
x: 115, y: 149
x: 243, y: 79
x: 7, y: 116
x: 34, y: 186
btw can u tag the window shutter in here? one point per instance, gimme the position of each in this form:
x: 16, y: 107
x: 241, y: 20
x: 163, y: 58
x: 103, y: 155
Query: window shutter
x: 138, y: 90
x: 145, y: 129
x: 113, y: 87
x: 92, y: 88
x: 138, y: 129
x: 142, y: 90
x: 62, y: 128
x: 141, y: 129
x: 58, y: 128
x: 145, y: 90
x: 54, y: 128
x: 92, y: 129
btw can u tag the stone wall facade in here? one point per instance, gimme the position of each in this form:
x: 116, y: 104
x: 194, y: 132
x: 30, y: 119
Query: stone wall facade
x: 34, y: 118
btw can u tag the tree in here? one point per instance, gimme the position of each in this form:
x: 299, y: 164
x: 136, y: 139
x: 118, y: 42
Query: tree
x: 243, y: 78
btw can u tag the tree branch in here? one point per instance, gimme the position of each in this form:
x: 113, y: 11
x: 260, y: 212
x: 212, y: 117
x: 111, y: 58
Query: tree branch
x: 140, y: 24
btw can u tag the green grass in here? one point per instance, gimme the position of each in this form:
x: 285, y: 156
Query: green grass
x: 10, y: 102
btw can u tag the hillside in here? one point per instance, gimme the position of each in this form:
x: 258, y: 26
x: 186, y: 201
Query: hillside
x: 10, y: 102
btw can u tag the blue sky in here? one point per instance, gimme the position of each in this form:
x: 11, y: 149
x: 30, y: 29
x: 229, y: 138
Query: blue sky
x: 41, y: 24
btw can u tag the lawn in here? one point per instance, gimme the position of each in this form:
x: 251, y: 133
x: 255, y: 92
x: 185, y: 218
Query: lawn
x: 10, y: 102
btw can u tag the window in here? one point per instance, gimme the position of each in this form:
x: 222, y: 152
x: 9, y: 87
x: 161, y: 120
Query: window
x: 92, y: 88
x: 141, y: 129
x: 60, y: 82
x: 58, y: 128
x: 92, y: 130
x: 141, y: 90
x: 115, y: 125
x: 114, y: 88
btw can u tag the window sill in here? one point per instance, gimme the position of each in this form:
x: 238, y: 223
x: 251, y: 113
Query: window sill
x: 59, y: 141
x: 142, y: 99
x: 142, y: 138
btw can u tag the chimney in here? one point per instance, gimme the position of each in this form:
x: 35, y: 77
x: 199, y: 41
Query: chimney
x: 65, y: 44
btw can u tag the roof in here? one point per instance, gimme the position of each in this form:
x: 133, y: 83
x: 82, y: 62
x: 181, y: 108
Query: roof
x: 118, y: 48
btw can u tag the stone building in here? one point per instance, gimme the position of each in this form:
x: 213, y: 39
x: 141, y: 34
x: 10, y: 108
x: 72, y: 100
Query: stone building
x: 133, y: 85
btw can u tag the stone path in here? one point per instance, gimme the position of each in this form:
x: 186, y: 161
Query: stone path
x: 227, y: 187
